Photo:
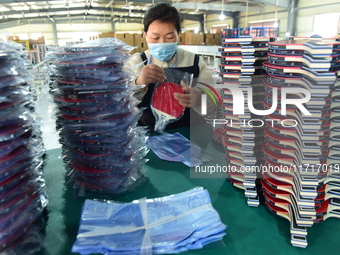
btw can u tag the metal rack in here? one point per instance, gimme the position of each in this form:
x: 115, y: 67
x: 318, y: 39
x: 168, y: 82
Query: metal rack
x: 41, y: 77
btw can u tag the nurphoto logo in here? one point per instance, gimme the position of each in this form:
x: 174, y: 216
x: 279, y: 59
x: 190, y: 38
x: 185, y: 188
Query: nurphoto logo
x: 238, y: 100
x: 239, y: 103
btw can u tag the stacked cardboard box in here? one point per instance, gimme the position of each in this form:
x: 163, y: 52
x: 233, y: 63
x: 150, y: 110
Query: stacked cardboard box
x: 217, y: 39
x: 127, y: 38
x: 40, y: 40
x: 209, y: 39
x: 190, y: 38
x: 186, y: 38
x: 13, y: 37
x: 213, y: 39
x: 107, y: 35
x: 140, y: 43
x: 181, y: 38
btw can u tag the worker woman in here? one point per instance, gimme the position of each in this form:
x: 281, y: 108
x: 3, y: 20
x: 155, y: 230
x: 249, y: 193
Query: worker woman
x: 162, y: 26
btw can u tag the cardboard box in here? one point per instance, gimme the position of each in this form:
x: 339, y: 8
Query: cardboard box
x: 217, y: 39
x: 41, y: 40
x: 140, y: 42
x: 13, y: 37
x: 107, y: 35
x: 209, y: 39
x: 181, y: 38
x: 138, y: 38
x: 111, y: 34
x: 200, y: 38
x: 190, y: 38
x: 120, y: 36
x: 32, y: 42
x: 143, y: 46
x: 127, y: 38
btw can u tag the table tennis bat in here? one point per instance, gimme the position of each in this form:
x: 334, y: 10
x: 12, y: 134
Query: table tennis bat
x: 297, y: 71
x: 330, y: 208
x: 305, y: 213
x: 313, y: 48
x: 313, y: 87
x: 251, y: 193
x: 298, y: 234
x: 245, y: 60
x: 241, y: 40
x: 291, y: 192
x: 244, y: 49
x: 314, y: 64
x: 164, y: 106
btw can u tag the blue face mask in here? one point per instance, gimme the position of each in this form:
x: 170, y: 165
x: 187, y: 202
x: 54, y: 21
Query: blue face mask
x: 163, y: 51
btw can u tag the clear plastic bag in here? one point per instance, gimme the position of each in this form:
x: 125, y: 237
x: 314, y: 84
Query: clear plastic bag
x: 165, y: 107
x: 177, y: 148
x: 97, y: 117
x: 107, y: 48
x: 22, y: 194
x: 169, y: 224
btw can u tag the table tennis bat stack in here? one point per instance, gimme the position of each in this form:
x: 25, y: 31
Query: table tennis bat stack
x: 22, y: 188
x: 103, y: 149
x: 241, y: 66
x: 331, y: 184
x: 331, y: 197
x: 296, y: 189
x: 241, y: 58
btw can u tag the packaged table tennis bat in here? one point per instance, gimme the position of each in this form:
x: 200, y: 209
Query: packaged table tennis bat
x: 165, y: 107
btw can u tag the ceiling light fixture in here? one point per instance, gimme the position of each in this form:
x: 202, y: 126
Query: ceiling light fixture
x: 276, y: 24
x: 246, y: 20
x: 222, y: 16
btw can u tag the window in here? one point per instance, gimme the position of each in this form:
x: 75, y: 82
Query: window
x: 327, y: 25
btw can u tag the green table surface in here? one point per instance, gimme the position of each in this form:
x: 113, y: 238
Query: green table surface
x: 251, y: 230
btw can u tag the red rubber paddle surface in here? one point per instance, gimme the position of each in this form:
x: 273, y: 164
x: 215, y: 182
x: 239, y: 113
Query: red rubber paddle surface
x: 164, y: 103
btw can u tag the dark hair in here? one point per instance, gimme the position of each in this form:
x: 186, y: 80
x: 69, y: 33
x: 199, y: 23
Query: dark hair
x: 163, y: 12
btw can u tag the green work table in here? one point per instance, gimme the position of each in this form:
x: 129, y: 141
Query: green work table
x: 251, y: 230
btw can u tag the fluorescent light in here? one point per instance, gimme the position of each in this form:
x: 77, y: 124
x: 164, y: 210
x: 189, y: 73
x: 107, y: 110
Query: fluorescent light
x: 191, y: 28
x: 265, y: 20
x: 220, y: 25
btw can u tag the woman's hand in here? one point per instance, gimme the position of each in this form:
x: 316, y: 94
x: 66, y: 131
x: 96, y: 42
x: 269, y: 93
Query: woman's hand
x: 151, y: 74
x: 193, y: 98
